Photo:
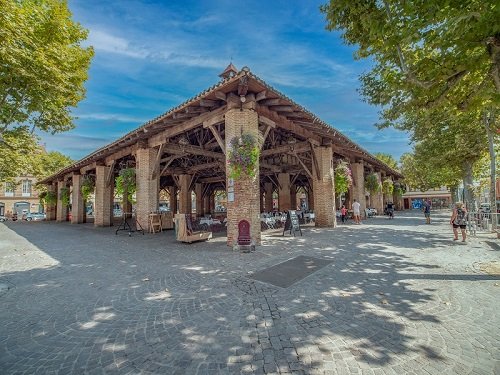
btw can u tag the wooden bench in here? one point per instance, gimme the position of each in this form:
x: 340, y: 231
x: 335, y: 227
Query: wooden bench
x: 184, y: 230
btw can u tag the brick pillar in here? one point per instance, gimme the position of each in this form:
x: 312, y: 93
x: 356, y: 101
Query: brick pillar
x: 293, y: 197
x: 185, y: 194
x: 147, y: 187
x: 310, y: 199
x: 324, y: 189
x: 198, y: 190
x: 126, y: 204
x: 172, y: 191
x: 268, y: 187
x: 103, y: 210
x: 61, y: 209
x: 245, y: 189
x: 378, y: 198
x: 211, y: 203
x: 358, y: 186
x: 284, y: 201
x: 77, y: 204
x: 206, y: 204
x: 51, y: 208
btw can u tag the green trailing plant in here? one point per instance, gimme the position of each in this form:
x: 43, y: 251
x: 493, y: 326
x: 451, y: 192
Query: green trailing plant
x: 342, y: 178
x: 64, y: 196
x: 243, y: 156
x: 372, y: 184
x: 125, y: 182
x: 387, y: 186
x: 47, y: 198
x: 399, y: 190
x: 88, y: 186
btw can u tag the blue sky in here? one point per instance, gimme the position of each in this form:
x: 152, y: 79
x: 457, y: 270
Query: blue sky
x: 151, y: 56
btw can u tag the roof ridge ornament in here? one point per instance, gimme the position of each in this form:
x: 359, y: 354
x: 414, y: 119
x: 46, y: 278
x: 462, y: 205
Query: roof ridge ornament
x: 229, y: 72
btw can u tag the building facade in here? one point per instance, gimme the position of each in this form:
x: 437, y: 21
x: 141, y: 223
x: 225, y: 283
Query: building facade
x: 439, y: 197
x: 19, y: 197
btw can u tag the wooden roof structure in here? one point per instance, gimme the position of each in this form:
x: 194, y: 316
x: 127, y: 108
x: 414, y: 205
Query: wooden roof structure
x: 190, y: 137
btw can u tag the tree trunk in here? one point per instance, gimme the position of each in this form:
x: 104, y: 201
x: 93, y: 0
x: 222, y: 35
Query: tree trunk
x: 468, y: 186
x: 493, y: 196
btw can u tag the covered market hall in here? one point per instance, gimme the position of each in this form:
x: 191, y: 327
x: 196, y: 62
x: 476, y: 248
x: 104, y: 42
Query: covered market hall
x: 188, y: 150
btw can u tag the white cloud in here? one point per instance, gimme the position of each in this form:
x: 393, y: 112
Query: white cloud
x: 111, y: 117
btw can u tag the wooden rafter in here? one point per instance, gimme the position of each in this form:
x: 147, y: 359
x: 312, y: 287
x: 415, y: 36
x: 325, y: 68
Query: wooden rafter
x: 111, y: 172
x: 156, y: 168
x: 315, y: 161
x: 284, y: 149
x: 217, y: 136
x: 302, y: 163
x: 193, y: 150
x: 169, y: 161
x: 162, y: 136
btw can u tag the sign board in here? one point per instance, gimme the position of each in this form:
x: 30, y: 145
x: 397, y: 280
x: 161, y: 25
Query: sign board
x: 292, y: 223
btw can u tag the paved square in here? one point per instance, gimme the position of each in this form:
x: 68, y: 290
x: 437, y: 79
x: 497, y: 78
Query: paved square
x: 399, y: 297
x: 291, y: 271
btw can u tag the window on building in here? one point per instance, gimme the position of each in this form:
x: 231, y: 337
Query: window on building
x: 9, y: 189
x: 26, y: 188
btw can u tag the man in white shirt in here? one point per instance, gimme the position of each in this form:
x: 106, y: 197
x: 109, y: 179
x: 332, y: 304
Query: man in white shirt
x: 356, y: 211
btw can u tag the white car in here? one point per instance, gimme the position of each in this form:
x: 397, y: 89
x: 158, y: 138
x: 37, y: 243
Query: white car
x: 3, y: 218
x: 35, y: 216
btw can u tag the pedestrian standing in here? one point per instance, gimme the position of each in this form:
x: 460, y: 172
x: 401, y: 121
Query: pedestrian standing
x: 356, y: 207
x: 459, y: 220
x: 427, y: 211
x: 343, y: 214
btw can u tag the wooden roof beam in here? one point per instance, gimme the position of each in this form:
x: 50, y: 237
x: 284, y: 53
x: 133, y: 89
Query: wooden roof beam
x: 284, y: 149
x: 286, y: 124
x: 172, y: 131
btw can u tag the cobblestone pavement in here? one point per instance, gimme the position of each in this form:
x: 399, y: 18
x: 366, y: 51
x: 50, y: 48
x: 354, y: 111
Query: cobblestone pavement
x: 400, y: 297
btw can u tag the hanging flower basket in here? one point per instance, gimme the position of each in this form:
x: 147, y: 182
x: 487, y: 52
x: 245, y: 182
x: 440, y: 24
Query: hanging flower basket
x: 343, y: 178
x: 243, y: 156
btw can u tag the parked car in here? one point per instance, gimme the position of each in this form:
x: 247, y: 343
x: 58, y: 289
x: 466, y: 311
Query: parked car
x: 35, y: 216
x: 3, y: 218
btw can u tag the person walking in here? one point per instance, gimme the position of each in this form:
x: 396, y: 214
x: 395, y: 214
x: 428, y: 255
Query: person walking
x: 356, y: 207
x: 459, y: 220
x: 427, y: 211
x: 343, y: 214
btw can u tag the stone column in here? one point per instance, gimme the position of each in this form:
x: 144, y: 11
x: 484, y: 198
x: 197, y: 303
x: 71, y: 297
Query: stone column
x: 198, y: 190
x: 268, y: 206
x: 211, y: 203
x: 310, y: 199
x: 324, y: 189
x: 284, y: 200
x: 378, y: 198
x: 185, y: 194
x: 61, y: 209
x: 51, y: 208
x: 77, y: 204
x: 358, y: 186
x: 103, y: 210
x: 206, y: 204
x: 147, y: 187
x: 172, y: 192
x: 243, y: 193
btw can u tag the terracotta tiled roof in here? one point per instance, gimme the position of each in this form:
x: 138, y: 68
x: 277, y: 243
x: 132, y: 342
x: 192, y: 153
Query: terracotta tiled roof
x: 161, y: 122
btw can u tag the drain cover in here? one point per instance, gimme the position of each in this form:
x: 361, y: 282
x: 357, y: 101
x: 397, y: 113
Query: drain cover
x: 291, y: 271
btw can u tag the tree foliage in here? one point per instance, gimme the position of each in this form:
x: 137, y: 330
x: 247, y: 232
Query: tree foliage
x: 436, y: 73
x: 387, y: 159
x: 426, y: 53
x: 43, y: 68
x: 372, y: 184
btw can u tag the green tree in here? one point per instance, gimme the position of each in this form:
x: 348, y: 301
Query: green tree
x: 387, y: 159
x: 49, y: 163
x: 42, y: 73
x: 429, y: 56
